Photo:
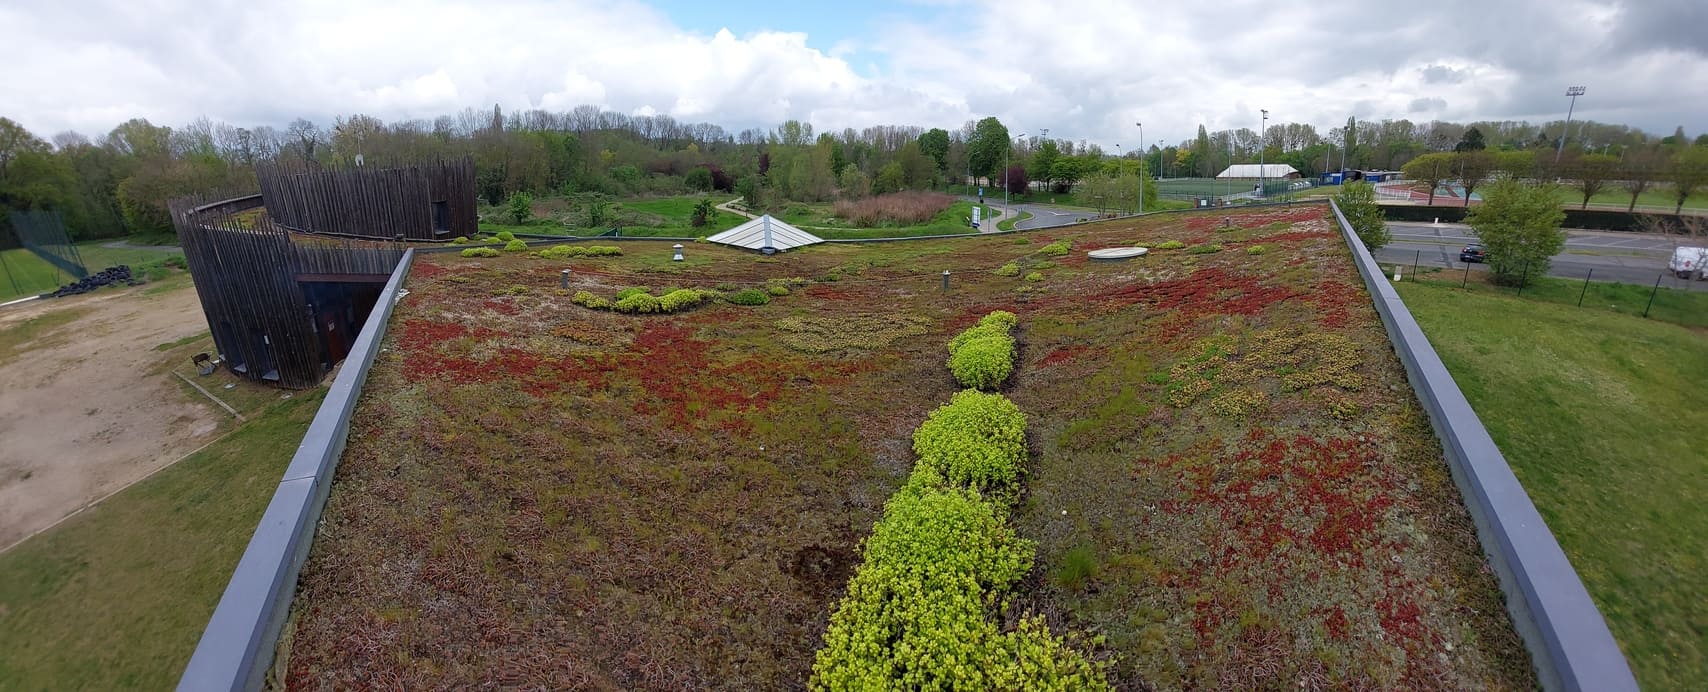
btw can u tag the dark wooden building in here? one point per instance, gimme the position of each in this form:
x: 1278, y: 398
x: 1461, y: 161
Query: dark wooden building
x: 433, y: 201
x: 286, y: 289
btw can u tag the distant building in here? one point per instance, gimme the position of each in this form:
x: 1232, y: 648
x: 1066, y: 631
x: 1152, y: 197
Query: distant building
x: 1254, y: 171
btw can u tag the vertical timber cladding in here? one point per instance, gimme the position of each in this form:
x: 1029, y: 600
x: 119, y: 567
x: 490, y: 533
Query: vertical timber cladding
x: 430, y: 201
x: 250, y: 296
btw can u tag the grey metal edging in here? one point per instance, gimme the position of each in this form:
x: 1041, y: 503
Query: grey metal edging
x: 236, y: 649
x: 1570, y: 645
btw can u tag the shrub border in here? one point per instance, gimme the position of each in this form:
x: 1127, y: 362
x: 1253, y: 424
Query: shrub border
x: 1570, y: 645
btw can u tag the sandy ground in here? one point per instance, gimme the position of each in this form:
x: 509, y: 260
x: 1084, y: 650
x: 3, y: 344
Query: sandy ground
x: 80, y: 415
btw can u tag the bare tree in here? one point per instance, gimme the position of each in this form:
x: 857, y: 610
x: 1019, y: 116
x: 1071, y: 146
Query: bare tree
x: 305, y: 138
x: 69, y: 139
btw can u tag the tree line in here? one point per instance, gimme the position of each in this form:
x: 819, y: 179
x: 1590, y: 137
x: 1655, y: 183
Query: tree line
x: 118, y: 182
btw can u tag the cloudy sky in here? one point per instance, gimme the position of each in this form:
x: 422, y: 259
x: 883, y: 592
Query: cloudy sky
x: 1083, y: 69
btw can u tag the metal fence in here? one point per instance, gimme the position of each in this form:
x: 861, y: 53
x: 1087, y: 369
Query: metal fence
x: 1666, y: 297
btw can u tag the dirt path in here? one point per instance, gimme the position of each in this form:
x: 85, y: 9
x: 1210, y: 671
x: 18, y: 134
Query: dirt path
x: 81, y: 414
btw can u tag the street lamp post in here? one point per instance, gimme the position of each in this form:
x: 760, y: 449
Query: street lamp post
x: 1141, y: 167
x: 1573, y: 92
x: 1044, y: 136
x: 1007, y: 157
x: 1262, y: 133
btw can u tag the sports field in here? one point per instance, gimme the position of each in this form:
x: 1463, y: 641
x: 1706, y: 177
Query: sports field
x: 1211, y: 187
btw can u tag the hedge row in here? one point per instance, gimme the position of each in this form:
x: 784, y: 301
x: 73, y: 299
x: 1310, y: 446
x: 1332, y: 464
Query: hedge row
x: 639, y: 301
x: 982, y: 357
x: 977, y: 440
x: 567, y: 251
x: 918, y: 614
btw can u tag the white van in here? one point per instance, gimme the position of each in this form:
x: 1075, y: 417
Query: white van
x: 1687, y: 261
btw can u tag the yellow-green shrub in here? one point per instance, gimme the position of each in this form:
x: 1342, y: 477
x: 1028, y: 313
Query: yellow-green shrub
x: 916, y: 614
x: 982, y: 356
x: 983, y: 363
x: 638, y: 303
x: 516, y: 246
x: 976, y: 440
x: 588, y: 300
x: 1056, y: 249
x: 480, y: 252
x: 1010, y: 269
x: 1171, y: 245
x: 567, y: 251
x: 680, y: 299
x: 1035, y: 277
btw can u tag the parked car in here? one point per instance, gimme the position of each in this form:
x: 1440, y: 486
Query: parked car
x: 1686, y: 261
x: 1471, y: 253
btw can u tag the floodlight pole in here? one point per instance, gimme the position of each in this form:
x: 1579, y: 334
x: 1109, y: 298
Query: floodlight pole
x: 1141, y: 167
x: 1573, y: 92
x: 1262, y: 131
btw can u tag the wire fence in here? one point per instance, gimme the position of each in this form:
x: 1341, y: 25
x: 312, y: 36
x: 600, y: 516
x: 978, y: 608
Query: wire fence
x: 1667, y: 298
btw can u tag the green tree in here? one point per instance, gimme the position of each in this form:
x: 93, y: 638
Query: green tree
x: 1044, y: 161
x: 1638, y: 169
x: 1430, y: 169
x: 1472, y: 141
x: 1518, y: 163
x: 891, y: 178
x: 748, y: 188
x: 699, y: 179
x: 1688, y: 172
x: 704, y: 213
x: 1357, y: 202
x: 1474, y: 169
x: 1592, y: 171
x: 918, y: 172
x: 935, y: 144
x: 521, y: 207
x: 854, y: 182
x: 987, y: 147
x: 1201, y: 153
x: 1519, y: 226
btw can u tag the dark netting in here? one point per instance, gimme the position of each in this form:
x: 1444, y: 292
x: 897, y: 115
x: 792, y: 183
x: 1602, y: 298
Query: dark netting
x: 43, y: 234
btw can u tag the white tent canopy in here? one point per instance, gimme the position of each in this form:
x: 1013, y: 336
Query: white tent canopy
x: 1254, y: 171
x: 764, y: 232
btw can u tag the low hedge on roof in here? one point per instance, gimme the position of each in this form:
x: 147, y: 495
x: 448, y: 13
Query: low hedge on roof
x: 977, y: 440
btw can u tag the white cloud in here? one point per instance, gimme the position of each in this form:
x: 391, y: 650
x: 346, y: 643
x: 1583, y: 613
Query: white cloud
x: 1086, y: 70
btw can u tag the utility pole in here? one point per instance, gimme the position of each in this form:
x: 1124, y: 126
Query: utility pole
x: 1262, y: 132
x: 1141, y: 167
x: 1573, y: 92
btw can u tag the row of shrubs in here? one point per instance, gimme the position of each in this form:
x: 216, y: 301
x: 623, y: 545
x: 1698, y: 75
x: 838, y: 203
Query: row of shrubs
x: 982, y: 357
x: 641, y: 301
x: 925, y: 607
x: 555, y: 252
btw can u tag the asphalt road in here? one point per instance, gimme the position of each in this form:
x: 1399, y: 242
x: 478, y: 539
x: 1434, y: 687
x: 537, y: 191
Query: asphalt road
x: 1623, y: 257
x: 1043, y: 215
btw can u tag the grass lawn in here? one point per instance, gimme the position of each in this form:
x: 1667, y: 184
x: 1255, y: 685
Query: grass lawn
x: 1008, y: 223
x: 1658, y: 195
x: 34, y: 275
x: 1674, y: 302
x: 1602, y: 416
x: 668, y: 217
x: 820, y: 220
x: 116, y: 597
x: 1227, y: 478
